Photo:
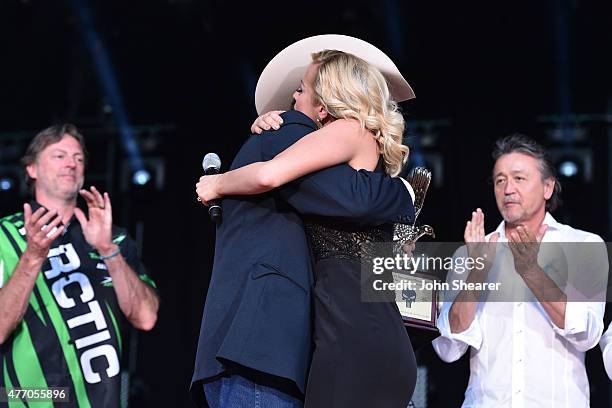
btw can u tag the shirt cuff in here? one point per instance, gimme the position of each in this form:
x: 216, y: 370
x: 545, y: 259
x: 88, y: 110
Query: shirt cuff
x: 472, y: 336
x: 410, y: 189
x: 576, y: 318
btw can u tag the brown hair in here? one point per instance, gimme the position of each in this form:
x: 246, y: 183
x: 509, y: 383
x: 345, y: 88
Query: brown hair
x: 44, y: 138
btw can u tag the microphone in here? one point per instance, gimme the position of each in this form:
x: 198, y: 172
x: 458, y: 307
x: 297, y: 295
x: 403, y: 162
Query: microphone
x: 211, y: 165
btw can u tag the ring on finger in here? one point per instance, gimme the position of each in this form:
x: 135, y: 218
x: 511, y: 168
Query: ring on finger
x: 50, y: 233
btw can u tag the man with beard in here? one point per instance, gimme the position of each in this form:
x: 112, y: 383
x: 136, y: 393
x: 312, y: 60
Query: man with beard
x: 526, y: 350
x: 67, y: 279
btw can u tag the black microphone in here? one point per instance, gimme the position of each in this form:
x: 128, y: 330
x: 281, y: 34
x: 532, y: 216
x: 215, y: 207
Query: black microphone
x: 211, y: 165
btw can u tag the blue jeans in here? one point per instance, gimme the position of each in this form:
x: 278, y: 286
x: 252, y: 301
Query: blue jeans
x: 238, y: 392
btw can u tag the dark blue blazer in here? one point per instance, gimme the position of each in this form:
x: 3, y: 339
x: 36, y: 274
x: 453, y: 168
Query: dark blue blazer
x: 258, y: 307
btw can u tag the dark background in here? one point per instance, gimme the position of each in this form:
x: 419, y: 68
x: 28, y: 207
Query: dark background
x: 180, y: 75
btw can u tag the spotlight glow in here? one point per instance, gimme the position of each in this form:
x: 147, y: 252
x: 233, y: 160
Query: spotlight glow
x: 5, y: 184
x: 568, y: 168
x: 141, y: 177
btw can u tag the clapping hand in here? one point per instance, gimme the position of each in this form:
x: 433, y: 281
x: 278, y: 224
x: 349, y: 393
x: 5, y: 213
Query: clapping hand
x: 97, y: 229
x: 42, y: 228
x: 525, y: 247
x: 477, y: 245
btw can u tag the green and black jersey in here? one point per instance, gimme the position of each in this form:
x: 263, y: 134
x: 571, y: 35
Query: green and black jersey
x: 70, y: 335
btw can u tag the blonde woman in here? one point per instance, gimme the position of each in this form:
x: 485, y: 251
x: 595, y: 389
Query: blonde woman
x: 363, y: 356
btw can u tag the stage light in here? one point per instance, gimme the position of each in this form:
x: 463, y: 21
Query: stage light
x: 141, y: 177
x: 150, y: 177
x: 573, y: 163
x: 6, y: 184
x: 568, y: 168
x: 11, y: 181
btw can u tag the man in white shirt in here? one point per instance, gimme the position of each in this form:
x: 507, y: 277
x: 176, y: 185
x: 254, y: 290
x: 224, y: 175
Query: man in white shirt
x: 525, y: 350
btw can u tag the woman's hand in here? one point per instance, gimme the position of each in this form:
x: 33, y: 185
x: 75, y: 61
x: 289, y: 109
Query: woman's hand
x: 408, y: 248
x: 207, y: 188
x: 266, y: 121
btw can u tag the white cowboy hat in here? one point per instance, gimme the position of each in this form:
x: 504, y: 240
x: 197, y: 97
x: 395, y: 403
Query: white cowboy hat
x: 282, y: 76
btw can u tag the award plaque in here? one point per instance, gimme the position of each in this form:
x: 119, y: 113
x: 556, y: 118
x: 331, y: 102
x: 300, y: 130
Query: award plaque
x: 417, y: 299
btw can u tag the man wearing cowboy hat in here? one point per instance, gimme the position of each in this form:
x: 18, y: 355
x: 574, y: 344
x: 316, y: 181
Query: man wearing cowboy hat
x: 255, y: 341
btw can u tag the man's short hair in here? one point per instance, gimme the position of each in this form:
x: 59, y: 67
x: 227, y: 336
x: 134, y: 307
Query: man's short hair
x: 517, y: 143
x: 44, y: 138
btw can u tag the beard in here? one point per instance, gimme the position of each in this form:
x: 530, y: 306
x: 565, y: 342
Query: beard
x: 75, y: 191
x: 512, y: 215
x: 65, y: 190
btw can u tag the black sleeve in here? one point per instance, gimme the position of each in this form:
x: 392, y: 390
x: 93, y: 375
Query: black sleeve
x: 360, y: 197
x: 129, y: 252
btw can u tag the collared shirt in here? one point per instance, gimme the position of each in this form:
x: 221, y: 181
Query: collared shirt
x: 519, y: 357
x: 606, y: 350
x: 70, y: 335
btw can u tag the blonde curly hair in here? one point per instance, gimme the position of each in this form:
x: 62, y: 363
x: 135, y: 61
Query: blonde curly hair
x: 350, y: 88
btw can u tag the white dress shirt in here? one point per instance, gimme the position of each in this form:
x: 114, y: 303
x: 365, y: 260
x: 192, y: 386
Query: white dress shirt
x: 606, y: 350
x: 519, y: 357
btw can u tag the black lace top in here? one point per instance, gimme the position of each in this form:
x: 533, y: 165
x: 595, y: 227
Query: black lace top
x: 330, y: 240
x: 336, y: 241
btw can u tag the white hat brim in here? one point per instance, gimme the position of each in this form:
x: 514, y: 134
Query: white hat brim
x: 282, y: 76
